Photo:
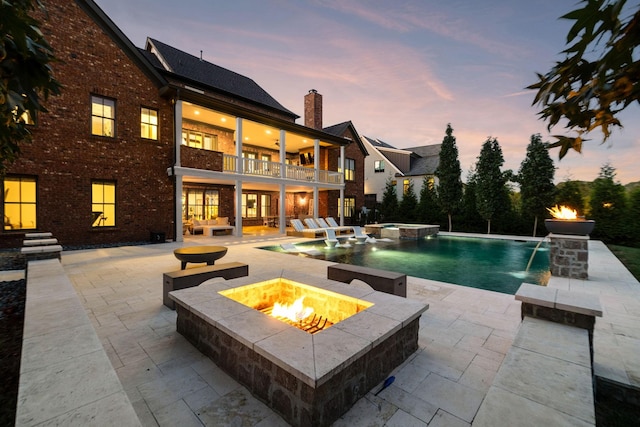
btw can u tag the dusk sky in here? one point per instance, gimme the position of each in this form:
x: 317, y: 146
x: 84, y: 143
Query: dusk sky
x: 399, y: 70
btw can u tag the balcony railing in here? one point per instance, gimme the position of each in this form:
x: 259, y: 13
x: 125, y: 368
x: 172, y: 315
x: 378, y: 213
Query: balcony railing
x: 273, y: 169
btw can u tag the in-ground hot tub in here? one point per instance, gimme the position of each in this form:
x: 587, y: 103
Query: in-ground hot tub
x: 401, y: 231
x: 309, y: 378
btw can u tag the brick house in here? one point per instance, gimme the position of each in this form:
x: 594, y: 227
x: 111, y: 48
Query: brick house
x: 144, y: 141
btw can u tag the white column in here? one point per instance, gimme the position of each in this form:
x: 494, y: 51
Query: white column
x: 342, y: 163
x: 238, y: 208
x: 178, y: 218
x: 283, y: 153
x: 283, y: 209
x: 178, y: 131
x: 239, y: 163
x: 316, y: 175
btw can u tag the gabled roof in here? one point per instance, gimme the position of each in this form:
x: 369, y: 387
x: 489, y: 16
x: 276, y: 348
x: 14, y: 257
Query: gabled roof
x: 341, y: 128
x: 187, y: 66
x: 378, y: 143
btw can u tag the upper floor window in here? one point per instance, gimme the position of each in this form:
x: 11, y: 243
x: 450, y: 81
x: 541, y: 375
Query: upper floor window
x: 197, y: 139
x: 19, y: 208
x: 149, y: 123
x: 349, y: 169
x: 378, y: 166
x: 103, y: 116
x: 103, y: 203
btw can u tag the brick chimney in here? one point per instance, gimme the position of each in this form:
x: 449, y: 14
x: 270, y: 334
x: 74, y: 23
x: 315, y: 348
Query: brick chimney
x: 313, y: 109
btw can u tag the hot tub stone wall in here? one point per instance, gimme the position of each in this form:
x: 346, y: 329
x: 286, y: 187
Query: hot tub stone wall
x: 297, y: 402
x: 569, y: 256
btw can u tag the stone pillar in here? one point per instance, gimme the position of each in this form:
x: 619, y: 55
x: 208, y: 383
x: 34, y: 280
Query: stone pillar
x: 569, y: 256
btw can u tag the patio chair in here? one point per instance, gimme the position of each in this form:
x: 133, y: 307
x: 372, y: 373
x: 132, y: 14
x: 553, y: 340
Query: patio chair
x: 297, y: 225
x: 331, y: 241
x: 312, y: 224
x: 360, y: 236
x: 338, y: 229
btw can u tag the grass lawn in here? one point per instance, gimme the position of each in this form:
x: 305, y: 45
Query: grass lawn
x: 630, y: 257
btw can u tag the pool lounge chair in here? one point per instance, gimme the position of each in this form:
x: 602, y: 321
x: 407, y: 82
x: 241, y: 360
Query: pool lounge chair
x: 360, y: 236
x: 331, y: 240
x: 292, y: 248
x: 301, y: 231
x: 338, y: 229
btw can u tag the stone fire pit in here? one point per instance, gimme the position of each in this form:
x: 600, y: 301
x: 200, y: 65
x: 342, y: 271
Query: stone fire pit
x: 569, y: 226
x: 309, y: 379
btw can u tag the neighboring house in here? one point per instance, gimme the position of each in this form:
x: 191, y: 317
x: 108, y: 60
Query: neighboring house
x: 142, y: 141
x: 401, y: 166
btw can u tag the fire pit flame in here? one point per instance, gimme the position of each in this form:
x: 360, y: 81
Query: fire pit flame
x: 295, y: 312
x: 563, y: 212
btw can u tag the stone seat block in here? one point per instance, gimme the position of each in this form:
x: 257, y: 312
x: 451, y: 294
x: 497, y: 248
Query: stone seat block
x: 189, y: 278
x: 389, y: 282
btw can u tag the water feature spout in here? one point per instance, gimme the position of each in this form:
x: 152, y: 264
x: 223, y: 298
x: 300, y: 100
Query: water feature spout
x: 533, y: 254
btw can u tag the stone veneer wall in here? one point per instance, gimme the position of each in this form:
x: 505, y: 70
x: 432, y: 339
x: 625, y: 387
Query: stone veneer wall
x: 569, y: 256
x: 294, y: 400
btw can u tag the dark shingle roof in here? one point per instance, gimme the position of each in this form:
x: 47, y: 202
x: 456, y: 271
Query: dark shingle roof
x: 378, y: 143
x: 426, y: 150
x: 423, y: 165
x: 193, y: 68
x: 337, y: 129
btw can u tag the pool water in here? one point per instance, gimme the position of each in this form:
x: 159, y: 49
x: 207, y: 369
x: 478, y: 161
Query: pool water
x: 492, y: 264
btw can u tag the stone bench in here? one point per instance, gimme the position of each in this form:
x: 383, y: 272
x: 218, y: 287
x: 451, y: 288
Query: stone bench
x: 41, y: 252
x: 66, y: 377
x: 182, y: 279
x: 40, y: 242
x: 381, y: 280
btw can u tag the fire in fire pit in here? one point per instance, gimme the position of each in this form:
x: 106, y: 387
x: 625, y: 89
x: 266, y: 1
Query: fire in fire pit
x: 306, y: 307
x: 565, y: 221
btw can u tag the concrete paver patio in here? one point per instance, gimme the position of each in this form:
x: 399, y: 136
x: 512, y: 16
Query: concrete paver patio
x: 463, y: 338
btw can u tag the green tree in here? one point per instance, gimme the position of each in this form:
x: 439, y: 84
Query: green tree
x: 408, y: 204
x: 469, y: 215
x: 428, y: 204
x: 569, y: 194
x: 25, y: 75
x: 598, y: 77
x: 448, y: 173
x: 633, y: 213
x: 389, y: 205
x: 491, y: 190
x: 536, y: 180
x: 608, y: 206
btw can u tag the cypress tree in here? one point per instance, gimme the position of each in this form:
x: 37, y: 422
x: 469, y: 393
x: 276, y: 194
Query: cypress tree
x: 536, y: 180
x: 448, y: 173
x: 389, y: 205
x: 408, y: 204
x: 608, y: 206
x: 491, y: 191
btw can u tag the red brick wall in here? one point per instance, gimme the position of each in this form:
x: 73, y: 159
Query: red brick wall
x: 64, y: 156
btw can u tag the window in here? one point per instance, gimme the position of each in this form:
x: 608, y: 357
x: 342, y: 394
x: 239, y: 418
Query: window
x: 103, y: 203
x: 19, y: 203
x: 349, y: 207
x: 405, y: 186
x: 103, y: 116
x: 196, y: 139
x: 149, y: 123
x: 378, y: 166
x: 250, y: 205
x: 265, y: 204
x: 199, y: 203
x: 349, y: 169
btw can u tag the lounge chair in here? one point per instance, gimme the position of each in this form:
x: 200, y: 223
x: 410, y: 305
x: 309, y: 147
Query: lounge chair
x: 312, y: 225
x: 292, y: 248
x: 301, y: 230
x: 331, y: 240
x: 338, y: 229
x: 360, y: 236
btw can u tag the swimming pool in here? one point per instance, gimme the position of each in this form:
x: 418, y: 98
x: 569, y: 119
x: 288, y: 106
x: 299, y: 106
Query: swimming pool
x: 492, y: 264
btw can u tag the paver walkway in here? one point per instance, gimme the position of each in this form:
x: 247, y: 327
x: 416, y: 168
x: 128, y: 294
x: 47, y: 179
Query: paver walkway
x: 463, y: 339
